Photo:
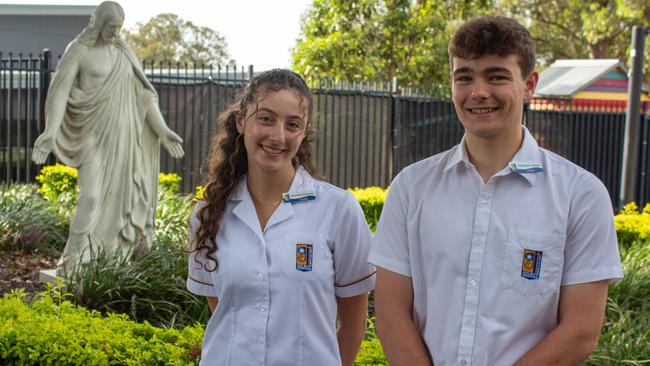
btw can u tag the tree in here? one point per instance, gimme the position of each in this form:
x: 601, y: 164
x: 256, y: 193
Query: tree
x: 579, y: 28
x: 167, y: 37
x: 381, y: 39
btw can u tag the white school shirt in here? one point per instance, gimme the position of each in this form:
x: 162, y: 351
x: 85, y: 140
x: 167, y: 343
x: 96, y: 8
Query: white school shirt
x: 270, y: 312
x: 487, y: 259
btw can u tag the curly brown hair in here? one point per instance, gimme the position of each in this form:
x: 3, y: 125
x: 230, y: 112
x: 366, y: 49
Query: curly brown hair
x: 493, y: 35
x: 228, y: 161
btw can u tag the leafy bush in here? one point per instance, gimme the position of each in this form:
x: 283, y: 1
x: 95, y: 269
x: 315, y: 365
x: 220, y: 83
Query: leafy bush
x: 371, y: 200
x: 53, y: 331
x: 148, y: 287
x: 169, y: 182
x: 59, y: 186
x: 626, y: 334
x: 28, y: 222
x: 172, y: 217
x: 632, y: 226
x: 370, y: 353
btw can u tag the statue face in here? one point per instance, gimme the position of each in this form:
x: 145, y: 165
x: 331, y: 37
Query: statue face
x: 111, y: 30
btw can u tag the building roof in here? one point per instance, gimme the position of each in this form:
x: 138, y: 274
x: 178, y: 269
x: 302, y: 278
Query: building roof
x: 565, y: 78
x: 44, y: 9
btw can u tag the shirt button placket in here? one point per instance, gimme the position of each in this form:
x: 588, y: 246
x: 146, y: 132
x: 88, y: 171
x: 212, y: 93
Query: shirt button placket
x: 470, y: 311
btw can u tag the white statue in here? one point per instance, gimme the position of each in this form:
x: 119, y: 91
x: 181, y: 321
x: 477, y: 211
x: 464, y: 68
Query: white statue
x: 102, y: 117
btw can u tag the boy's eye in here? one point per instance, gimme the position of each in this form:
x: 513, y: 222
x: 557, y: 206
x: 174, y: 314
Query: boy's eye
x: 498, y: 77
x: 463, y: 78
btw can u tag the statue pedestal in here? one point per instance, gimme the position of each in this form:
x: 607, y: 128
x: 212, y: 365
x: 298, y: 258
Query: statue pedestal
x: 47, y: 275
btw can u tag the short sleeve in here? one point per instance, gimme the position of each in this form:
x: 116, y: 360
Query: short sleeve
x: 353, y: 274
x: 591, y: 251
x: 390, y: 242
x: 199, y: 279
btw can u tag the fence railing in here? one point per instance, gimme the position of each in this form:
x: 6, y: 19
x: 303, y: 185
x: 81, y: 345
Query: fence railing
x: 366, y: 132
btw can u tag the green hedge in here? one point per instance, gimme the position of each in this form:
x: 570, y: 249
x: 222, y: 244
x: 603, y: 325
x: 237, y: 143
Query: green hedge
x: 53, y: 331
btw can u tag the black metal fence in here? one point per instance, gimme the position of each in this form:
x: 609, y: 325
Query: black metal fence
x: 366, y: 132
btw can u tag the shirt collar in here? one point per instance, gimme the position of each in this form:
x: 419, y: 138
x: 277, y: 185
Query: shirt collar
x: 458, y: 155
x: 302, y: 181
x: 528, y: 153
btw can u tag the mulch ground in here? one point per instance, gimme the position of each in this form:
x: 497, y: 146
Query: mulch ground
x: 19, y: 270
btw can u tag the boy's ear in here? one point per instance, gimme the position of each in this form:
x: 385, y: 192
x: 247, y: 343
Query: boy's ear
x: 531, y: 84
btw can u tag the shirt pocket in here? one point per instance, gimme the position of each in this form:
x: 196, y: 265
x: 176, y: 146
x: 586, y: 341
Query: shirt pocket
x: 532, y: 262
x: 305, y: 256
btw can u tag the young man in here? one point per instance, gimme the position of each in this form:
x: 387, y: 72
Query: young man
x: 495, y: 252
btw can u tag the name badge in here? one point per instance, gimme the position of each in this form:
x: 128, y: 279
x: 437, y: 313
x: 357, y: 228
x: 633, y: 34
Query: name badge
x: 531, y: 264
x: 526, y: 167
x: 292, y: 197
x: 304, y: 257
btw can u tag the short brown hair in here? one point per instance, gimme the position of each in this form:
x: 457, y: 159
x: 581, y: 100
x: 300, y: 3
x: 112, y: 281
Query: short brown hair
x: 494, y: 35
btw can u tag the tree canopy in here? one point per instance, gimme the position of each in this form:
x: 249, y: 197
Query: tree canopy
x: 167, y: 37
x: 579, y: 28
x: 407, y: 39
x: 381, y: 39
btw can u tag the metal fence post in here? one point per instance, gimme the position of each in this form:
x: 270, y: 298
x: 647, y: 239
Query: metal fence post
x: 394, y: 132
x: 631, y: 142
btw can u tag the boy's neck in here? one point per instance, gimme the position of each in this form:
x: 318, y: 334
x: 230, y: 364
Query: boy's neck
x: 489, y: 156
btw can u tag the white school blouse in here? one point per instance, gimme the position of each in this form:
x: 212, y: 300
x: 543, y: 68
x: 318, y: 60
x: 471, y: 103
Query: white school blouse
x: 277, y: 288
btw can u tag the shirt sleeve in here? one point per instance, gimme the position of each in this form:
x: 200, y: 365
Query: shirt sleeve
x: 199, y: 279
x: 353, y: 274
x: 591, y: 251
x: 390, y: 242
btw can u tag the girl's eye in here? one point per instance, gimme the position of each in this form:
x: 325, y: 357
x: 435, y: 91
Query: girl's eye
x: 294, y: 125
x: 265, y: 118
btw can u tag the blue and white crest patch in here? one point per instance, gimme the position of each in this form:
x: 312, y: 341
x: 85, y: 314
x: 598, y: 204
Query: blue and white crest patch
x: 531, y: 264
x: 304, y: 257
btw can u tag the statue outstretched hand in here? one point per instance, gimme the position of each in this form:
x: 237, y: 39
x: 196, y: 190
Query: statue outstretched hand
x: 173, y: 144
x: 42, y: 148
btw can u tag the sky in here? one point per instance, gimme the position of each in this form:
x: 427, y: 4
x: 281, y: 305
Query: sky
x: 258, y: 32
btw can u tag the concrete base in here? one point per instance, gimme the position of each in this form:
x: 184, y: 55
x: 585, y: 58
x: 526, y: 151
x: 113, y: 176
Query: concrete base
x: 47, y: 275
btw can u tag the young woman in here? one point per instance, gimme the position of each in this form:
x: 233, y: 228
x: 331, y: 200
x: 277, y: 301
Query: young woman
x: 280, y: 254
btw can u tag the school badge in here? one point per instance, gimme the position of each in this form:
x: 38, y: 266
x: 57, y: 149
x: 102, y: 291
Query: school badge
x: 304, y: 256
x: 531, y: 264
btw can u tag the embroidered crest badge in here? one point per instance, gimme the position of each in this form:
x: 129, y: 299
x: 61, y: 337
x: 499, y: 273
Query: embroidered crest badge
x: 531, y: 264
x: 304, y: 256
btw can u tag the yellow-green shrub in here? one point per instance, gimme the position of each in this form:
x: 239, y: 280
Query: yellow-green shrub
x: 632, y: 226
x: 59, y: 186
x: 371, y: 200
x: 169, y: 181
x: 52, y: 331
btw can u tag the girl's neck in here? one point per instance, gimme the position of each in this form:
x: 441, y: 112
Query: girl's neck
x: 267, y: 187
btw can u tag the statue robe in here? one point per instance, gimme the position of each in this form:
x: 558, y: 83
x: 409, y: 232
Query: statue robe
x: 106, y: 125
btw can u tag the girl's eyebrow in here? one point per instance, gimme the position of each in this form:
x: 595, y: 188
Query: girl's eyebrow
x: 267, y: 110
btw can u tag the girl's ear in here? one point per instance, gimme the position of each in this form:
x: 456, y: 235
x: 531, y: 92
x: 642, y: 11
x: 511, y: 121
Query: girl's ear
x: 239, y: 122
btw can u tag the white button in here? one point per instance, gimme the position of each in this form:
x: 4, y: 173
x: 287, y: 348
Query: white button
x: 477, y: 243
x: 484, y: 202
x: 262, y: 307
x: 260, y: 275
x: 472, y: 282
x: 468, y: 321
x: 260, y: 339
x: 463, y: 362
